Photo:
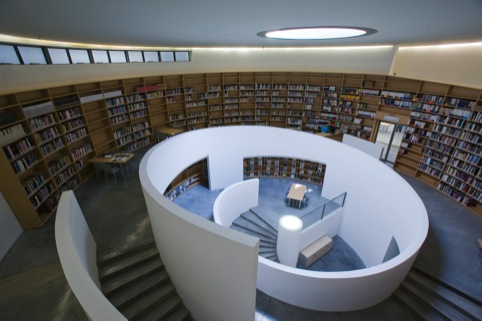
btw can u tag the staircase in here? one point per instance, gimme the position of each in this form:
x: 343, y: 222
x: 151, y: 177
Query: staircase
x: 137, y: 284
x: 419, y: 297
x: 427, y: 298
x: 253, y: 224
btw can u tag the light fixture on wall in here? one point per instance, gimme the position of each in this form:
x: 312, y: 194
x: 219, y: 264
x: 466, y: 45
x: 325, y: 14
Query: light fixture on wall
x: 317, y: 33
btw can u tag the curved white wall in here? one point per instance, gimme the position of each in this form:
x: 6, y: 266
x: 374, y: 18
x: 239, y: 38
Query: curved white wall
x: 234, y: 200
x: 461, y: 66
x: 77, y: 252
x: 201, y: 257
x: 377, y: 196
x: 369, y: 60
x: 457, y: 64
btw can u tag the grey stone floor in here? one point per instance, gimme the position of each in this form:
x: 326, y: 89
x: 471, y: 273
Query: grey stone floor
x: 32, y: 285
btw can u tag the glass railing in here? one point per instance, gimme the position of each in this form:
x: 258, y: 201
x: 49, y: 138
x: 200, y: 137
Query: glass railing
x: 323, y: 211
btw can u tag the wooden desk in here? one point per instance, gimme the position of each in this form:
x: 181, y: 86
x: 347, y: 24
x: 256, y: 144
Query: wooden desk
x: 338, y: 137
x: 116, y: 158
x: 161, y: 133
x: 296, y: 194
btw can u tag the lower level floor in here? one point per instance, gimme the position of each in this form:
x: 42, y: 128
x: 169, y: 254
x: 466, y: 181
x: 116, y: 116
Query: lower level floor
x: 33, y: 287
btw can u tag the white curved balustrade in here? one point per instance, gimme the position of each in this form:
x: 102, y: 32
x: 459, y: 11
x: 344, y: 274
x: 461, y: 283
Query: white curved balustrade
x: 381, y: 205
x: 77, y: 251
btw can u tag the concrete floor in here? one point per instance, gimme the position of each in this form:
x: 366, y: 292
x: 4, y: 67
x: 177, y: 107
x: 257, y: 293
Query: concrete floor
x: 32, y: 285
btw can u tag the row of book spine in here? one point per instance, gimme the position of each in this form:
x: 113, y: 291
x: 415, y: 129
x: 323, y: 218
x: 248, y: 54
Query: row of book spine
x: 11, y: 134
x: 51, y: 146
x: 58, y: 164
x: 20, y: 147
x: 33, y: 182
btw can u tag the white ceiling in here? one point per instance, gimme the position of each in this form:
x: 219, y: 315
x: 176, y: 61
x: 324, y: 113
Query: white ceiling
x: 218, y: 23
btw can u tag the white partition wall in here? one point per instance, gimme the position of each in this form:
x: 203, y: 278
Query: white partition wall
x: 223, y: 170
x: 77, y: 253
x: 203, y: 259
x: 379, y: 205
x: 235, y: 200
x: 363, y: 145
x: 330, y: 226
x: 458, y: 64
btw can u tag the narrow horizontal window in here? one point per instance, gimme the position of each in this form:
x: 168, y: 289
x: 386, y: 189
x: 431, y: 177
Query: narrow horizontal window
x: 79, y: 56
x: 167, y: 56
x: 117, y: 56
x: 58, y: 56
x: 32, y: 55
x: 100, y: 56
x: 151, y: 56
x: 182, y: 56
x: 8, y: 55
x: 135, y: 56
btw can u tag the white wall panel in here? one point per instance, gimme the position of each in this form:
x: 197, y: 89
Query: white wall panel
x: 370, y: 60
x: 379, y: 205
x: 452, y: 64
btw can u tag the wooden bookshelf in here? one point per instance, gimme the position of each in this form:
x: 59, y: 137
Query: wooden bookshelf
x: 282, y: 167
x: 442, y: 144
x: 48, y: 135
x: 190, y: 177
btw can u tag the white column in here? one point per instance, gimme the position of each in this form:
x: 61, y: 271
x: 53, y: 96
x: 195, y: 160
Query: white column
x: 289, y: 237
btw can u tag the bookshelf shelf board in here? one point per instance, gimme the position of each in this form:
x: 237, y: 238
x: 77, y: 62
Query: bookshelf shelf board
x: 444, y: 122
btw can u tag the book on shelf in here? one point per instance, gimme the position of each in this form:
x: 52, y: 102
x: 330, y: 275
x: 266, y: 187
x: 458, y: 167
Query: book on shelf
x: 91, y: 98
x: 11, y: 134
x: 38, y: 109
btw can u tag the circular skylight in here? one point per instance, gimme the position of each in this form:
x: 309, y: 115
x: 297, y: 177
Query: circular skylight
x: 317, y: 33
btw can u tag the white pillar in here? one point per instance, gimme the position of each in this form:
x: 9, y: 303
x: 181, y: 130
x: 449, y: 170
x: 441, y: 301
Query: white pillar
x: 289, y: 237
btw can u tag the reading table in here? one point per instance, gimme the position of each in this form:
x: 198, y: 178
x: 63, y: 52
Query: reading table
x: 296, y: 194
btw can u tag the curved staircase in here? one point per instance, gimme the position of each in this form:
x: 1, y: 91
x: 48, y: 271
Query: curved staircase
x: 427, y: 298
x: 253, y: 224
x: 137, y: 284
x: 419, y: 297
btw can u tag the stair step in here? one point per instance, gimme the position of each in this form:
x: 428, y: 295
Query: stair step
x: 435, y: 302
x: 263, y: 251
x: 180, y: 314
x: 267, y: 243
x: 272, y: 256
x: 396, y: 311
x: 129, y: 295
x: 122, y: 281
x: 160, y: 309
x: 263, y: 245
x: 119, y: 255
x: 241, y: 220
x: 421, y: 311
x: 261, y: 234
x: 456, y: 300
x: 142, y: 308
x: 127, y: 263
x: 259, y: 221
x: 260, y: 218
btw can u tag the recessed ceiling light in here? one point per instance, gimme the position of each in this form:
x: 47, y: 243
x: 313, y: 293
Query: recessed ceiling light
x: 317, y: 33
